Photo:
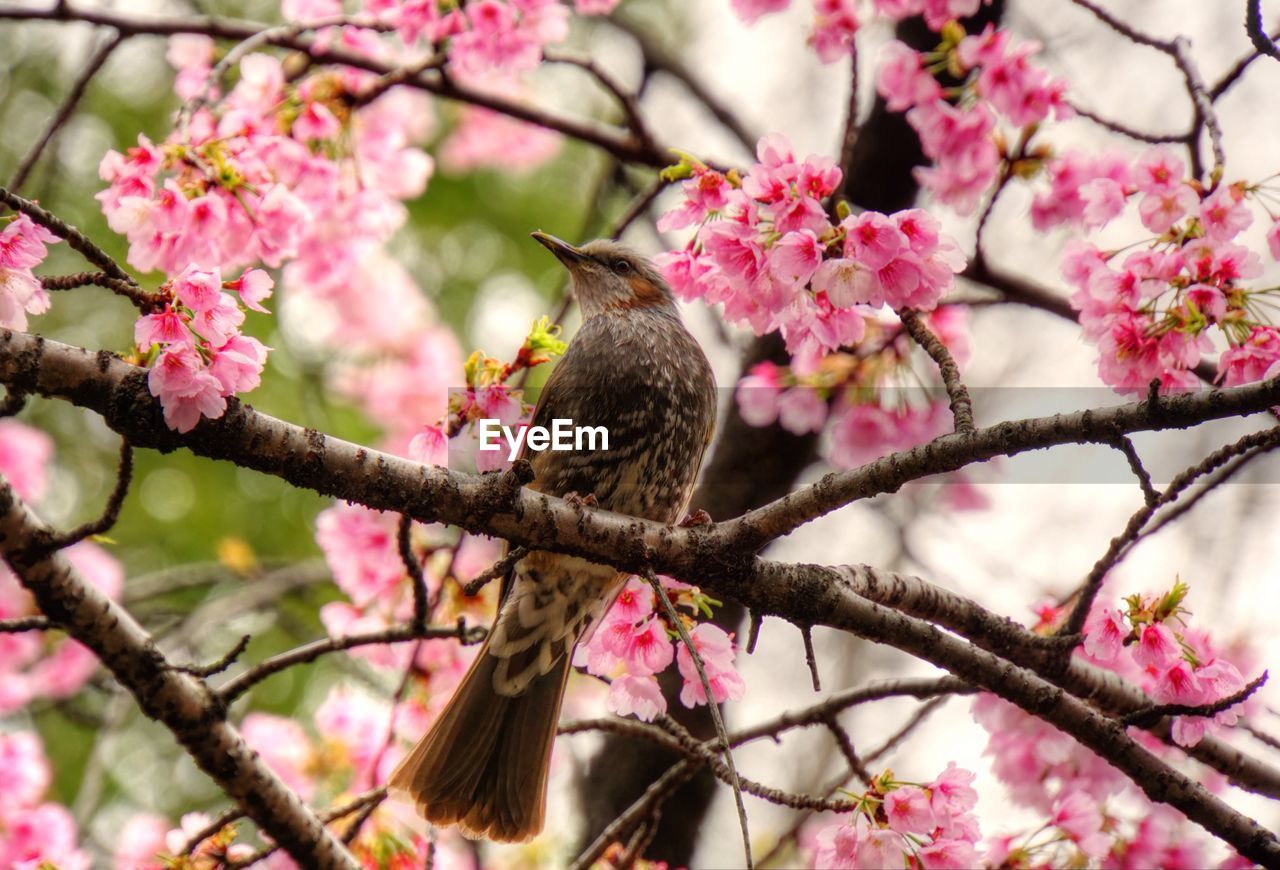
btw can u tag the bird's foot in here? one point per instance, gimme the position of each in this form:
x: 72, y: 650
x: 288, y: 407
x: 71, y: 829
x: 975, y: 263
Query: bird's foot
x: 581, y: 502
x: 697, y: 518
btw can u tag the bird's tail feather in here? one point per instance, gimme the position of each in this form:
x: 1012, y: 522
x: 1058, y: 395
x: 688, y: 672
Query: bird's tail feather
x: 483, y: 765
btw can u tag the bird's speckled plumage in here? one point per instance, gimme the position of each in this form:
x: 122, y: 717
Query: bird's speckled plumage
x: 634, y: 369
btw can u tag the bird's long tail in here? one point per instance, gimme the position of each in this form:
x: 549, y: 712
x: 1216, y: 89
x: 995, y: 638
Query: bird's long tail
x: 483, y: 765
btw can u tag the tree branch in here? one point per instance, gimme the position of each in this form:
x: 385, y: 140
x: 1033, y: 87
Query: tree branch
x: 242, y: 683
x: 490, y: 504
x: 122, y: 282
x: 1253, y: 26
x: 182, y: 702
x: 961, y: 405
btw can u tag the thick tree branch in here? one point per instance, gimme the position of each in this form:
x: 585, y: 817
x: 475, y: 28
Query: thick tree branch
x: 826, y: 602
x: 490, y: 504
x: 182, y: 702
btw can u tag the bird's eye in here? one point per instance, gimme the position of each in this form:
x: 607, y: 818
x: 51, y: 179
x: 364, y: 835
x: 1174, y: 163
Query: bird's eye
x: 620, y: 267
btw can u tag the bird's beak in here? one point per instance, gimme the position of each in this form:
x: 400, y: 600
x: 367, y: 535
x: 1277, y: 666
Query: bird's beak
x: 565, y: 252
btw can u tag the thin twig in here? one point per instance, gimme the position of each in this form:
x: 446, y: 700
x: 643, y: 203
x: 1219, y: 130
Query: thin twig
x: 1253, y: 26
x: 640, y: 840
x: 111, y: 511
x: 1211, y: 482
x: 1122, y: 543
x: 1261, y: 736
x: 845, y: 745
x: 961, y: 405
x: 413, y: 567
x: 657, y: 56
x: 354, y: 830
x: 494, y: 571
x: 219, y: 665
x: 1205, y: 113
x: 25, y: 623
x: 639, y: 204
x: 657, y: 792
x: 240, y: 684
x: 276, y: 35
x: 622, y: 145
x: 678, y: 624
x: 1238, y: 69
x: 400, y: 76
x: 1125, y: 30
x: 810, y: 658
x: 1125, y: 130
x: 220, y: 821
x: 802, y: 816
x: 78, y: 241
x: 1125, y: 445
x: 85, y: 279
x: 65, y: 110
x: 917, y: 719
x: 1179, y: 49
x: 850, y: 137
x: 626, y: 99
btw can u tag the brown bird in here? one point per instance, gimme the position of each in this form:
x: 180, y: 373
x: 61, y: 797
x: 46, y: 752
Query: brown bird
x: 633, y: 369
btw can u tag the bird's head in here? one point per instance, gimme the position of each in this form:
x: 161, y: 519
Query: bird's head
x: 608, y: 275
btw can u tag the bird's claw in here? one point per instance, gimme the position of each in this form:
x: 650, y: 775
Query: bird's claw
x: 697, y: 518
x: 581, y: 502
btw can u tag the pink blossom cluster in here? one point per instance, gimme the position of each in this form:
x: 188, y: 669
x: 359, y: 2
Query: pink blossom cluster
x: 22, y: 247
x: 859, y: 399
x: 33, y: 832
x: 42, y: 664
x: 836, y: 21
x: 958, y: 133
x: 900, y: 824
x: 201, y: 356
x: 484, y: 139
x: 766, y: 249
x: 1078, y: 792
x: 485, y: 37
x: 489, y: 45
x: 632, y: 644
x: 1148, y: 641
x: 1153, y: 312
x: 293, y: 173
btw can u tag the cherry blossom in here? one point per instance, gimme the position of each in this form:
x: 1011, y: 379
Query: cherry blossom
x: 715, y: 648
x: 33, y: 832
x: 23, y: 245
x: 905, y: 824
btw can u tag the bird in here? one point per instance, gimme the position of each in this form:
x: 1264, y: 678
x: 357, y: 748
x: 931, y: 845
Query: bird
x: 633, y: 368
